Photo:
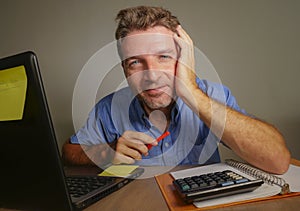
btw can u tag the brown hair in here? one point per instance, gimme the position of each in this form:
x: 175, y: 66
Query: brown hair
x: 142, y: 18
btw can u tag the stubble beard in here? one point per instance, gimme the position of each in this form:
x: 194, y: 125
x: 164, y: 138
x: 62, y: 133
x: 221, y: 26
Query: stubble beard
x: 155, y: 102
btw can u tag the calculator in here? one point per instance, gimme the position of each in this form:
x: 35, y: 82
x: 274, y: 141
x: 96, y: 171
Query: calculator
x: 213, y: 185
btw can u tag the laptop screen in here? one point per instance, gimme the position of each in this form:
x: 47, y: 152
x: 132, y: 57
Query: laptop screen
x: 31, y: 170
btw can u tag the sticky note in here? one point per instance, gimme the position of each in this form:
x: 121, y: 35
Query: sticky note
x: 13, y: 85
x: 118, y: 170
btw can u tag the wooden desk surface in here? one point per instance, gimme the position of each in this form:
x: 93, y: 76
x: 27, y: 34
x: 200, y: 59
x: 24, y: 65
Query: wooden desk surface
x: 144, y: 194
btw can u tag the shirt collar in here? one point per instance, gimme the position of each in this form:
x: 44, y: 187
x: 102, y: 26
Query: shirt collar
x: 138, y: 114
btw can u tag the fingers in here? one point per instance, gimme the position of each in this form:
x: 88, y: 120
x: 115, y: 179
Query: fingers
x: 137, y: 140
x: 183, y: 39
x: 185, y: 84
x: 186, y: 47
x: 120, y: 158
x: 131, y: 146
x: 139, y: 136
x: 181, y: 33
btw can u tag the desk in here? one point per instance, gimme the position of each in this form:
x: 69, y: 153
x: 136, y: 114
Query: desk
x: 144, y: 194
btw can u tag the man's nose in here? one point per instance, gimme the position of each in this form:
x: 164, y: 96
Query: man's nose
x: 153, y: 71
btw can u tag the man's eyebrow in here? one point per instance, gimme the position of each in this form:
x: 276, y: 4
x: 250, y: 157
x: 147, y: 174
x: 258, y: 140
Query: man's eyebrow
x: 159, y: 52
x: 132, y: 57
x: 163, y: 51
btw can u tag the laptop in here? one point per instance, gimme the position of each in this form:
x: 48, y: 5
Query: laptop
x: 32, y: 174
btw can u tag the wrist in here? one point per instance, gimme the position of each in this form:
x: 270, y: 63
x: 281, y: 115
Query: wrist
x: 195, y: 98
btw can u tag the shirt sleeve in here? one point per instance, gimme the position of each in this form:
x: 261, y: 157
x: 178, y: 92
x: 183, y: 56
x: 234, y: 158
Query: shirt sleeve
x: 98, y: 127
x: 220, y: 93
x: 89, y: 134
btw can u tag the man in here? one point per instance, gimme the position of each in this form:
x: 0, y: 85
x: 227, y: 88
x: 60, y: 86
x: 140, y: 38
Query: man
x: 166, y: 95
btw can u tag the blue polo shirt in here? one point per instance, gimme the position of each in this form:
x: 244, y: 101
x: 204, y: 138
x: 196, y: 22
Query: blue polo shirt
x: 190, y: 140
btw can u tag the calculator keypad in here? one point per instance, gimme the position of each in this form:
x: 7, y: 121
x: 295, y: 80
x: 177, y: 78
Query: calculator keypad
x: 214, y: 184
x: 211, y: 180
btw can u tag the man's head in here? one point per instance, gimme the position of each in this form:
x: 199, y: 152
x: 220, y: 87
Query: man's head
x: 142, y: 18
x: 149, y: 53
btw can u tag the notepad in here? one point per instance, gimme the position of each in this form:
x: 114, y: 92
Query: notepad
x: 273, y: 183
x: 13, y: 85
x: 118, y: 170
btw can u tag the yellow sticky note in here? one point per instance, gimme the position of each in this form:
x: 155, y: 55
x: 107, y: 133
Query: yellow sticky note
x: 13, y: 85
x: 118, y: 170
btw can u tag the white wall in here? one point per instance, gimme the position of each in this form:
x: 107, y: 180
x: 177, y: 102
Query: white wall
x: 253, y: 44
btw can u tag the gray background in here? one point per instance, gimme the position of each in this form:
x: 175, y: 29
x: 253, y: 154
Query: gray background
x: 253, y: 44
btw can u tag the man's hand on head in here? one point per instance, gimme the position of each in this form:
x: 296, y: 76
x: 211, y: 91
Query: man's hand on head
x: 185, y: 70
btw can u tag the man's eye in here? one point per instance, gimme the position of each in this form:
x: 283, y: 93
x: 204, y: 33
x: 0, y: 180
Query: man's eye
x: 165, y: 57
x: 135, y: 62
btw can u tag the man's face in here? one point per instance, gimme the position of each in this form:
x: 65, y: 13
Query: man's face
x: 150, y: 59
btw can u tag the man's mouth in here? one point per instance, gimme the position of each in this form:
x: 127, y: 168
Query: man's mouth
x: 156, y: 91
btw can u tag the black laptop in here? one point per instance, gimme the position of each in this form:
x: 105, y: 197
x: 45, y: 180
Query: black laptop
x: 32, y: 174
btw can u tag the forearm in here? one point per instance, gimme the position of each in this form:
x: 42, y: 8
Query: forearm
x: 76, y: 154
x: 255, y: 141
x: 73, y: 154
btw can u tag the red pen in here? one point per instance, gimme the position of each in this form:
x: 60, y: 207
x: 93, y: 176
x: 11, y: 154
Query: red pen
x: 164, y: 135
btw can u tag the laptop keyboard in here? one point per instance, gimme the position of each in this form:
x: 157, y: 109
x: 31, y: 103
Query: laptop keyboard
x: 79, y: 186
